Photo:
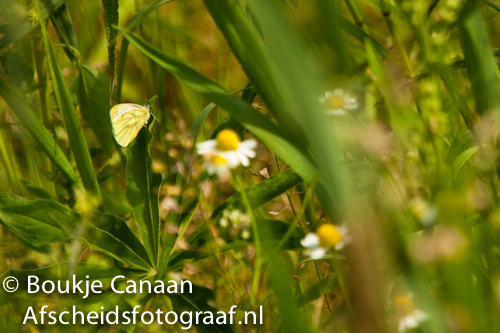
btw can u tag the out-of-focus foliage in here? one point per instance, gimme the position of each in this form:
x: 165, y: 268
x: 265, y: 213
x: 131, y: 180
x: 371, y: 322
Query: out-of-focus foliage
x: 376, y: 116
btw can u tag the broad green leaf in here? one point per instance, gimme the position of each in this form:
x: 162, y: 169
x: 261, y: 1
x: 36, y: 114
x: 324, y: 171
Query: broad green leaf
x: 110, y: 14
x: 199, y: 300
x: 322, y: 287
x: 93, y: 97
x: 24, y: 27
x: 70, y: 117
x: 43, y: 221
x: 138, y: 18
x: 29, y: 119
x: 480, y: 63
x: 142, y: 191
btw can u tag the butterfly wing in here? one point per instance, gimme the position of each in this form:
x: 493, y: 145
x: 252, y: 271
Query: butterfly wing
x: 127, y: 120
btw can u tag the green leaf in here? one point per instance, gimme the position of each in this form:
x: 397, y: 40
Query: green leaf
x: 36, y: 190
x: 43, y: 221
x: 34, y: 125
x: 480, y: 63
x: 261, y: 193
x: 93, y: 97
x: 142, y: 191
x: 70, y: 118
x: 65, y: 30
x: 138, y: 18
x: 195, y: 129
x: 110, y: 14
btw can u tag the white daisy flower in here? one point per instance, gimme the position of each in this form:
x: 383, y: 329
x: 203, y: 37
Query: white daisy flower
x: 216, y: 165
x: 227, y: 145
x: 338, y: 102
x: 412, y: 320
x: 326, y: 237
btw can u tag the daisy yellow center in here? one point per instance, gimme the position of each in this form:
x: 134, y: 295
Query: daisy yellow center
x: 328, y: 235
x: 227, y: 140
x: 335, y: 101
x: 219, y: 160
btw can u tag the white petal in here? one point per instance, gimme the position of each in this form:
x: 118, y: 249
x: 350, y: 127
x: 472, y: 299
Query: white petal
x: 206, y: 147
x: 317, y: 253
x: 231, y: 159
x: 351, y: 106
x: 243, y: 159
x: 338, y: 92
x: 327, y: 94
x: 310, y: 241
x: 336, y: 112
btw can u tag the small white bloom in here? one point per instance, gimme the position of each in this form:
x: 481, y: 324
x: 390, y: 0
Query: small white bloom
x: 227, y: 145
x: 338, y: 102
x: 326, y: 237
x: 216, y: 165
x: 412, y: 320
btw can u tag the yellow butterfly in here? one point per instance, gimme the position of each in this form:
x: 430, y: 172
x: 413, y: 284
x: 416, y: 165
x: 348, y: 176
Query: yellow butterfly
x: 127, y: 120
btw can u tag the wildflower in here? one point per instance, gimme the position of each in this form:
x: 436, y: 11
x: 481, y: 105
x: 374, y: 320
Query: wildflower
x: 216, y: 164
x: 326, y: 237
x: 410, y: 317
x: 338, y: 102
x: 237, y: 222
x: 227, y: 145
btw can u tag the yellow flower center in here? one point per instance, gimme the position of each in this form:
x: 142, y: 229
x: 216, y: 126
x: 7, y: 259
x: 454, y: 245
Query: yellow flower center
x: 335, y: 101
x: 219, y: 160
x: 328, y: 235
x: 227, y: 140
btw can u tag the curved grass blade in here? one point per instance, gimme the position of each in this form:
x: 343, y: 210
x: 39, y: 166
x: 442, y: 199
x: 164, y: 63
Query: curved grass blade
x: 34, y: 125
x: 143, y: 190
x: 70, y: 118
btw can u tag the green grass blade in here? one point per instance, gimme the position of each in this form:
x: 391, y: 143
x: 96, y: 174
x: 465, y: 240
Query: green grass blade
x: 480, y: 63
x: 142, y: 192
x: 70, y: 118
x: 138, y: 18
x: 34, y: 125
x: 65, y: 30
